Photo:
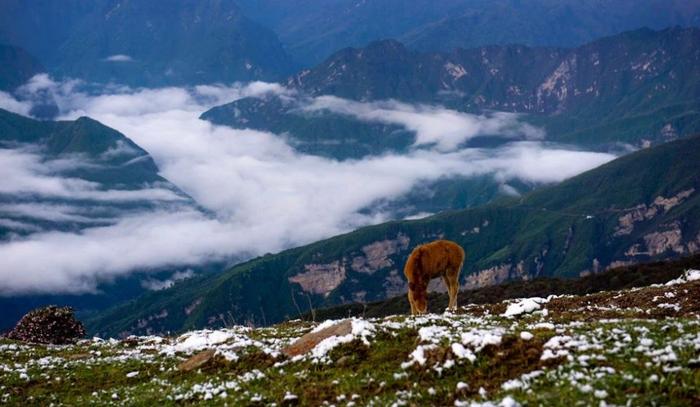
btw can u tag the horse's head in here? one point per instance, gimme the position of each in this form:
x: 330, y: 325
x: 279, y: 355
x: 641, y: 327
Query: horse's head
x: 419, y: 293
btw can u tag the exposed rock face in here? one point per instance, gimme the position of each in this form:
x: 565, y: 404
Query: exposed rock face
x: 190, y: 308
x: 694, y: 245
x: 670, y: 238
x: 644, y: 212
x: 539, y: 261
x: 668, y: 132
x: 320, y: 278
x: 619, y: 263
x: 310, y: 340
x: 143, y: 323
x: 359, y: 296
x: 668, y: 203
x: 395, y: 284
x: 486, y: 277
x: 557, y: 87
x: 376, y: 255
x: 659, y: 242
x: 437, y: 285
x: 51, y: 325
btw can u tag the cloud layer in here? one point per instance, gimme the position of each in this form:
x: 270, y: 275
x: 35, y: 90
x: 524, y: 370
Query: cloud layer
x: 264, y: 195
x: 442, y: 128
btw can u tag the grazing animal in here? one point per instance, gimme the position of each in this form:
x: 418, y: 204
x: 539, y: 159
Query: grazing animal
x: 441, y: 258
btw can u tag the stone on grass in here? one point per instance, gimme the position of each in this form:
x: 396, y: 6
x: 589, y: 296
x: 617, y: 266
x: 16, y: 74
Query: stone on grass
x: 197, y: 361
x: 310, y: 340
x: 50, y: 325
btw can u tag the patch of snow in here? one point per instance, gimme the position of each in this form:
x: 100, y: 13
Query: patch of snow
x: 418, y: 356
x: 463, y: 353
x: 361, y: 329
x: 456, y: 71
x: 526, y: 336
x: 688, y: 276
x: 524, y: 306
x: 600, y: 394
x: 479, y: 338
x: 200, y: 339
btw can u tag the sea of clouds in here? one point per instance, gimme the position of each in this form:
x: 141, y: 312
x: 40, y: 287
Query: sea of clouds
x: 257, y: 193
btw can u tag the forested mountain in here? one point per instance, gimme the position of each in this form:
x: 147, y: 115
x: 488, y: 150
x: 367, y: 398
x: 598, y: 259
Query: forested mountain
x: 16, y: 67
x: 145, y: 43
x: 639, y: 207
x: 640, y: 87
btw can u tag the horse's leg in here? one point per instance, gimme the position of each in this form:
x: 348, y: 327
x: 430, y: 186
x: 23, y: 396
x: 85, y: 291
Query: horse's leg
x: 410, y: 301
x: 452, y: 283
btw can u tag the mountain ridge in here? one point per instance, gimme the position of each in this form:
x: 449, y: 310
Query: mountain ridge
x: 142, y: 43
x: 314, y: 29
x: 639, y: 87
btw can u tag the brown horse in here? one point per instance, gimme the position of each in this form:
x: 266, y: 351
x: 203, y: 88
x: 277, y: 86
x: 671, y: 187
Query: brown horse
x: 441, y: 258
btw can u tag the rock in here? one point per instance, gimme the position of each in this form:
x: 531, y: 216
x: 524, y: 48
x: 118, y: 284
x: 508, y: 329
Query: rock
x: 197, y: 361
x: 310, y: 340
x: 51, y: 325
x: 343, y: 361
x: 320, y: 278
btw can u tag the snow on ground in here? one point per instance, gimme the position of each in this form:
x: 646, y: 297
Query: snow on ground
x: 361, y: 330
x: 578, y: 354
x: 524, y: 306
x: 688, y: 276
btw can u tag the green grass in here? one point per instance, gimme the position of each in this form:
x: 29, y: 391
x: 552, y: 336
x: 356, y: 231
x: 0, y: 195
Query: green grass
x: 649, y: 361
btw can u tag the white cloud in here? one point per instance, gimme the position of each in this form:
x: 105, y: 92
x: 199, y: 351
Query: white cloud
x: 119, y: 58
x: 18, y: 226
x: 13, y: 105
x: 434, y: 125
x: 51, y: 262
x: 156, y: 285
x: 50, y: 212
x: 264, y: 194
x: 25, y: 173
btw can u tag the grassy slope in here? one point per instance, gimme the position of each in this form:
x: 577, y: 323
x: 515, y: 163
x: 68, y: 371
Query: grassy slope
x: 620, y: 347
x: 563, y: 227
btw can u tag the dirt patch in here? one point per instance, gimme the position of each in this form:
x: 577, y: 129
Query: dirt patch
x: 496, y: 364
x: 509, y: 360
x: 651, y: 302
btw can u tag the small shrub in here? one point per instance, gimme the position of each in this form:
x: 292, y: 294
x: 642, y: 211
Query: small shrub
x: 51, y: 325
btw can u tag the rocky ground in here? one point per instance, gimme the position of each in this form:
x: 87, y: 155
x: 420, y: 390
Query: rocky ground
x: 631, y: 347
